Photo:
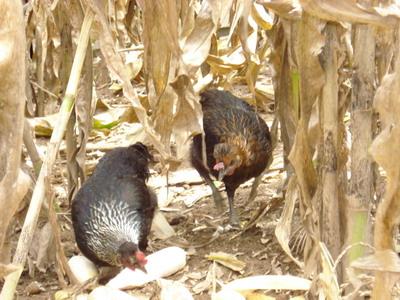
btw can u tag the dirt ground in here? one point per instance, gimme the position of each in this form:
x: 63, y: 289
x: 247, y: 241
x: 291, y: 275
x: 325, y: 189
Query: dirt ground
x: 190, y: 209
x: 188, y: 206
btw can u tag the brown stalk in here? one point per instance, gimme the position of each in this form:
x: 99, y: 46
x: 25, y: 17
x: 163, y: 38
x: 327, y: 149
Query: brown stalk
x: 13, y: 182
x: 31, y: 219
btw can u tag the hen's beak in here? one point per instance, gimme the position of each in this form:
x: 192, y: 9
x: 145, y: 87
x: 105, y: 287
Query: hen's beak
x: 141, y: 260
x: 221, y: 170
x: 140, y: 267
x: 221, y: 174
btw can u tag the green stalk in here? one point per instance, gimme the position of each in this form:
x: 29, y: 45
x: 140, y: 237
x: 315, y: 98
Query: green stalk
x: 358, y: 225
x: 295, y: 77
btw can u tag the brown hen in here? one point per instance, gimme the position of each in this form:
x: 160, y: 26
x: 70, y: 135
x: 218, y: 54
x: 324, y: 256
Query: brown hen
x: 238, y: 145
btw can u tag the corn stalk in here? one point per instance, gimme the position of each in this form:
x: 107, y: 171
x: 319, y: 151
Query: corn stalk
x: 286, y: 86
x: 330, y: 227
x: 301, y: 154
x: 13, y: 182
x: 361, y: 182
x: 31, y: 219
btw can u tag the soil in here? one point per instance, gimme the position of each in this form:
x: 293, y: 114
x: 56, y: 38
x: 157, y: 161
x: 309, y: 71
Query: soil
x: 195, y: 222
x: 193, y: 215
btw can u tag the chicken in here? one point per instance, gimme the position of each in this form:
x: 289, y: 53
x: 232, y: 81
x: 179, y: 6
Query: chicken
x: 113, y: 211
x: 238, y: 145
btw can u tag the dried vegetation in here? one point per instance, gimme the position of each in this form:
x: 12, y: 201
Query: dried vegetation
x: 101, y: 74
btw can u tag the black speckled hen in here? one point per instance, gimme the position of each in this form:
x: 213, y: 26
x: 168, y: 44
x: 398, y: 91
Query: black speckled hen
x: 113, y: 211
x: 238, y: 145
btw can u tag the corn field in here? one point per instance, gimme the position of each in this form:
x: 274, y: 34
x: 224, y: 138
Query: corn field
x: 326, y: 72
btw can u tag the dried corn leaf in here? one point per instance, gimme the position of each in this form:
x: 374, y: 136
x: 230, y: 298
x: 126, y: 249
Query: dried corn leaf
x: 48, y: 47
x: 264, y: 95
x: 251, y: 37
x: 202, y: 285
x: 285, y: 8
x: 188, y: 118
x: 117, y: 67
x: 385, y: 145
x: 188, y: 19
x: 255, y: 57
x: 386, y: 265
x: 134, y: 60
x: 386, y: 103
x: 116, y: 87
x: 43, y: 126
x: 74, y: 15
x: 197, y: 45
x: 213, y: 272
x: 223, y: 65
x: 261, y: 16
x: 328, y: 278
x: 392, y: 9
x: 383, y: 261
x: 344, y: 11
x: 117, y: 13
x: 234, y: 59
x: 383, y: 149
x: 39, y: 20
x: 202, y: 83
x: 308, y: 47
x: 226, y: 12
x: 300, y: 158
x: 227, y: 260
x: 177, y: 114
x: 157, y: 44
x: 283, y: 228
x: 113, y: 117
x: 285, y: 88
x: 242, y: 10
x: 165, y: 110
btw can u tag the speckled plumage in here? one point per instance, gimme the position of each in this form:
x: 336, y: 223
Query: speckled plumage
x: 114, y: 205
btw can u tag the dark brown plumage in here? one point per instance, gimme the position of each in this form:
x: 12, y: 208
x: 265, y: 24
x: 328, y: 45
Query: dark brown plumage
x: 238, y: 144
x: 113, y: 211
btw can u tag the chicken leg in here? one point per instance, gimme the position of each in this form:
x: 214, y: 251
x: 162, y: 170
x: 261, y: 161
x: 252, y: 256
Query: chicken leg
x: 216, y: 194
x: 233, y: 217
x: 254, y: 188
x: 196, y: 155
